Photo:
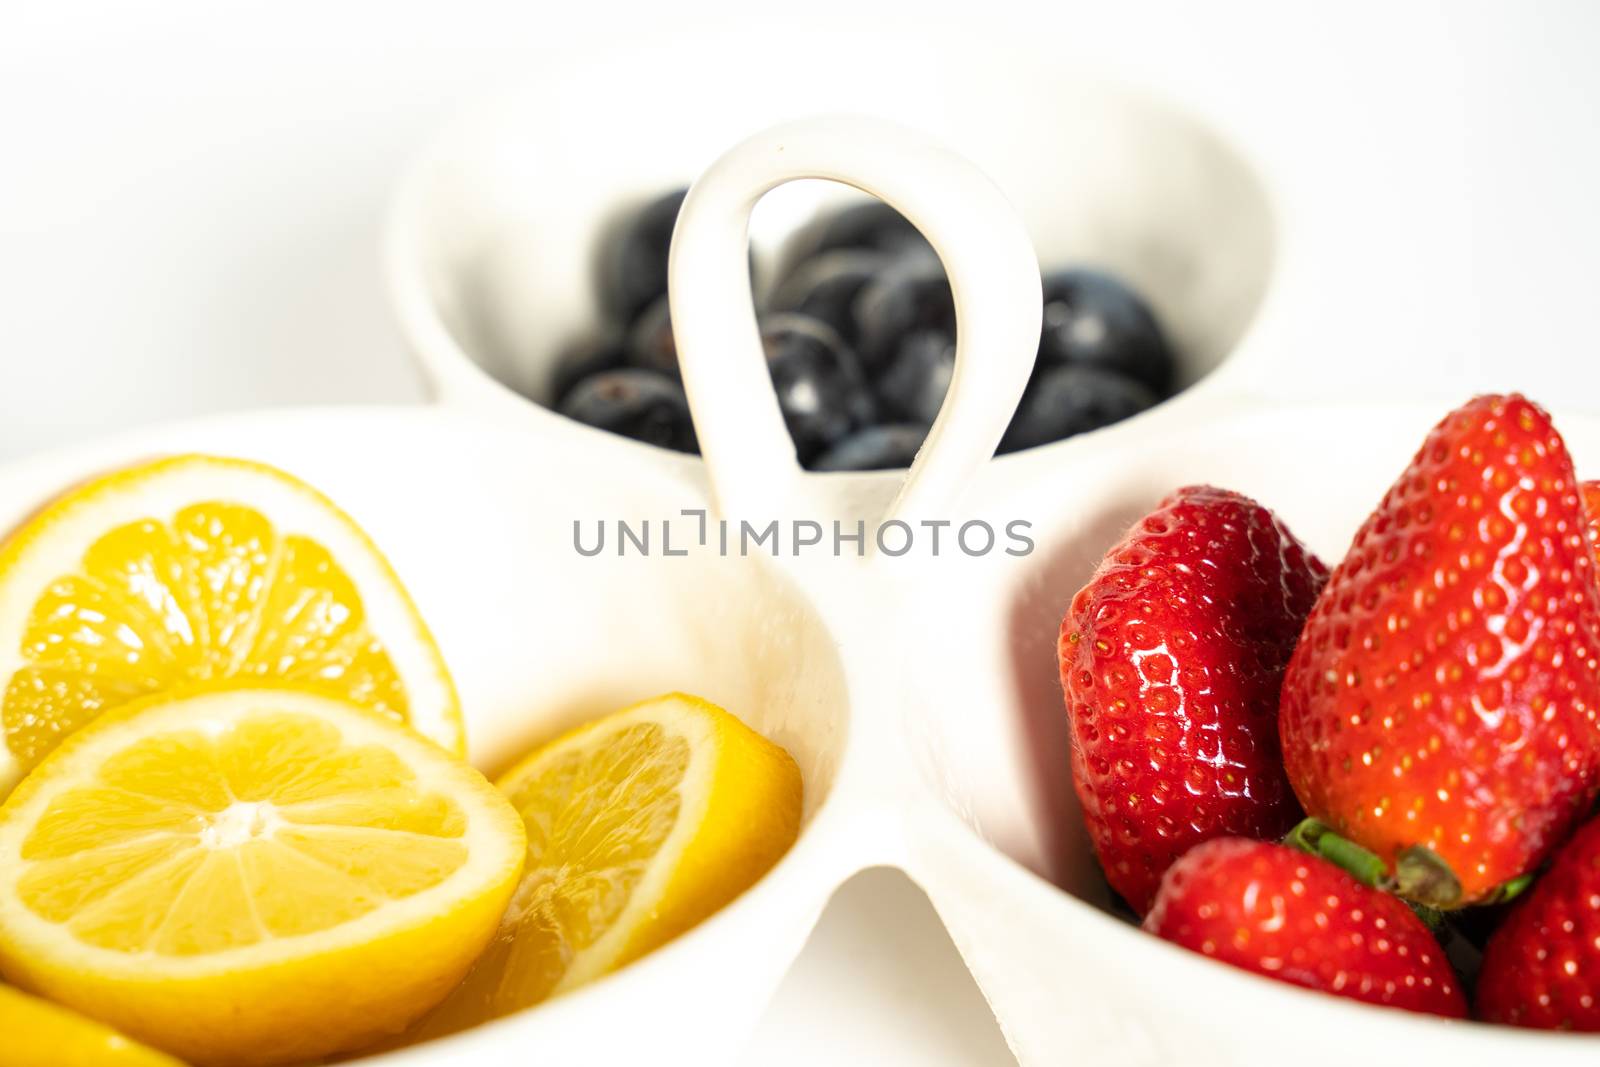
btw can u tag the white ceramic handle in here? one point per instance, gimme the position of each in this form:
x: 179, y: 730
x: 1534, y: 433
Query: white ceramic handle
x: 993, y: 273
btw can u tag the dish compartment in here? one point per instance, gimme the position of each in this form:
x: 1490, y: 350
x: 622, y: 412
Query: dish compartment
x: 540, y: 637
x: 492, y: 237
x: 999, y: 845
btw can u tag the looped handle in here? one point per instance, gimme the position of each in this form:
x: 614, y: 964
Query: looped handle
x: 985, y: 251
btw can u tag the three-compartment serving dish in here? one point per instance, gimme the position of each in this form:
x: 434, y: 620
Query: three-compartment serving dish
x: 919, y: 694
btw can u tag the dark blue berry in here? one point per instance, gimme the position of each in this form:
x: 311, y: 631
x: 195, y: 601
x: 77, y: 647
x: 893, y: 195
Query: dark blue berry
x: 639, y: 404
x: 633, y: 257
x: 911, y: 296
x: 870, y: 224
x: 1093, y: 320
x: 820, y: 388
x: 590, y: 356
x: 1062, y: 401
x: 877, y: 448
x: 913, y: 385
x: 825, y: 287
x: 650, y: 344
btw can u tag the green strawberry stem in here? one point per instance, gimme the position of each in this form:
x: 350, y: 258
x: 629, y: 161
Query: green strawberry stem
x: 1313, y: 836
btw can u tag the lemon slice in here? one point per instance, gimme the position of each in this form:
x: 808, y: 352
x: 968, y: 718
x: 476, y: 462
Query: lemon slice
x: 195, y: 569
x: 251, y: 876
x: 39, y: 1032
x: 639, y: 826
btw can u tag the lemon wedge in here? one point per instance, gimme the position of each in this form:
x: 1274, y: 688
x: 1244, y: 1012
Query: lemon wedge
x: 640, y: 825
x: 194, y: 569
x: 251, y: 876
x: 39, y: 1032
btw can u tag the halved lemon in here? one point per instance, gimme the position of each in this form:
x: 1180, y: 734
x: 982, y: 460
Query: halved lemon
x: 39, y: 1032
x: 639, y: 826
x: 251, y: 876
x: 195, y: 569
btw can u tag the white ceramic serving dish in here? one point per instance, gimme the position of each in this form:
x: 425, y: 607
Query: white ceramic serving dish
x: 940, y: 734
x: 918, y: 694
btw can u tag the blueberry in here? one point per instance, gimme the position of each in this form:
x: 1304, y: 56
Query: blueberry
x: 825, y: 287
x: 911, y: 296
x: 639, y: 404
x: 913, y: 385
x: 871, y: 224
x: 590, y: 356
x: 1092, y: 319
x: 819, y: 384
x: 650, y: 344
x: 1062, y: 401
x: 633, y: 257
x: 877, y: 448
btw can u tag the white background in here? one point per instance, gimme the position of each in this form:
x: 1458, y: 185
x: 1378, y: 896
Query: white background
x: 191, y: 192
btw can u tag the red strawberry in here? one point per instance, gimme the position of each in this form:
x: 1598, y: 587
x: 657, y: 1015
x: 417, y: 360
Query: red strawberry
x: 1171, y: 659
x: 1279, y: 912
x: 1591, y: 514
x: 1440, y: 709
x: 1541, y: 968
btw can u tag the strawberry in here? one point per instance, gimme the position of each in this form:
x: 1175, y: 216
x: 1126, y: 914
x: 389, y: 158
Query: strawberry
x: 1171, y: 659
x: 1440, y: 708
x: 1281, y: 913
x: 1591, y: 514
x: 1541, y: 968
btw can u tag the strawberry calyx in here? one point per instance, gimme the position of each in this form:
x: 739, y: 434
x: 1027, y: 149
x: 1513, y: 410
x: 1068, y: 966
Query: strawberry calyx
x: 1420, y: 877
x: 1509, y: 891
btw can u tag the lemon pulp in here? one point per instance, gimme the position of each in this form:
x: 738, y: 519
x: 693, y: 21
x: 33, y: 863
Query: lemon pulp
x: 215, y: 593
x: 639, y: 826
x: 189, y: 571
x: 189, y: 844
x: 251, y: 876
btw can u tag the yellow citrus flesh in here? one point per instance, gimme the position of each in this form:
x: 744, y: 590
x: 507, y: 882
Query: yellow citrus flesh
x: 251, y: 876
x: 38, y: 1032
x: 192, y: 570
x: 639, y: 826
